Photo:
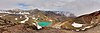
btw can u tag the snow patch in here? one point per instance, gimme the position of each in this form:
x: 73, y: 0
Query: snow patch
x: 36, y: 24
x: 4, y: 12
x: 50, y: 20
x: 25, y: 19
x: 77, y: 30
x: 16, y: 19
x: 33, y: 18
x: 20, y: 16
x: 77, y: 25
x: 0, y: 16
x: 87, y: 27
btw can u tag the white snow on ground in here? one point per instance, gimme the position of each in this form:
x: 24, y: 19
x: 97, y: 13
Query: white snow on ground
x: 16, y: 19
x: 39, y: 27
x: 25, y: 19
x: 50, y: 20
x: 4, y: 12
x: 0, y: 16
x: 36, y: 24
x: 77, y: 30
x: 14, y: 12
x: 87, y: 27
x: 20, y: 16
x: 96, y: 21
x: 77, y: 25
x: 33, y: 18
x: 92, y: 22
x: 4, y: 15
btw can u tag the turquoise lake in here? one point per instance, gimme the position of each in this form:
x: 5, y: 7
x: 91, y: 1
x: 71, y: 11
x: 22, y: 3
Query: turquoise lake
x: 43, y: 24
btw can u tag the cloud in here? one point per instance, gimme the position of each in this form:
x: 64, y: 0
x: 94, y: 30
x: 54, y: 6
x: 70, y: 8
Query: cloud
x: 77, y: 7
x: 22, y: 4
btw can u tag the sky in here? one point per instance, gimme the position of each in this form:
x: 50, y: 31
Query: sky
x: 78, y: 7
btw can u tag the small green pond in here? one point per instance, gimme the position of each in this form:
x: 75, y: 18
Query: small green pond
x: 43, y: 24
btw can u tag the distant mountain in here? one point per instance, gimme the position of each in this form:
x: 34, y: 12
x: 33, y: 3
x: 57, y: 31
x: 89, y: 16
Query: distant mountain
x: 59, y: 19
x: 18, y: 16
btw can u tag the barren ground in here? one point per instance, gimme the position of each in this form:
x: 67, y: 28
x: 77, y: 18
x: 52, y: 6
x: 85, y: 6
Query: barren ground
x: 22, y: 29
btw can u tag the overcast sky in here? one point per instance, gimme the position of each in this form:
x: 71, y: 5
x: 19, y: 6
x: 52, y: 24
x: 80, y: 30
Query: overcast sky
x: 77, y: 7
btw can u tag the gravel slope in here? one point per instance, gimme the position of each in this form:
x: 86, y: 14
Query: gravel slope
x: 22, y: 29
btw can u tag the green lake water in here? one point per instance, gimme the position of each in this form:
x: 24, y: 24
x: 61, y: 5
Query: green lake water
x: 43, y: 24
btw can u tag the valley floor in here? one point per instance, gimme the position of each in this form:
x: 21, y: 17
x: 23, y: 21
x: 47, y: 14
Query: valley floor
x: 21, y: 29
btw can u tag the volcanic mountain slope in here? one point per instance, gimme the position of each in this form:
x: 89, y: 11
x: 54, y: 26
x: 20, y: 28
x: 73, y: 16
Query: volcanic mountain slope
x: 28, y: 16
x: 89, y: 20
x: 88, y: 17
x: 14, y: 21
x: 83, y: 22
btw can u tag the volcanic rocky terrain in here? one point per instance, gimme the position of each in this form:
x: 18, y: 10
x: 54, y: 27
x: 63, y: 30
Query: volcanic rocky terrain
x: 26, y: 21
